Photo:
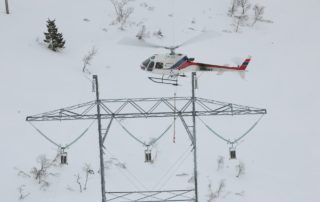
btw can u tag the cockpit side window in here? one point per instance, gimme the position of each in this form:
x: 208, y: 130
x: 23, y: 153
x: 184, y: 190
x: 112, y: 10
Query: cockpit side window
x: 159, y: 65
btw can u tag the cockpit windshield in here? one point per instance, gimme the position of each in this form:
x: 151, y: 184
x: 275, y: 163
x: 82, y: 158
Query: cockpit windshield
x: 146, y: 62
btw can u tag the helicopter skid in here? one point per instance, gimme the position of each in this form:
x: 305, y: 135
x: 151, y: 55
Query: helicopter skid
x: 164, y: 80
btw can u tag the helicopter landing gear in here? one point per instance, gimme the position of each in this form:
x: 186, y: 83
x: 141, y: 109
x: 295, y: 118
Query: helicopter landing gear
x: 164, y: 80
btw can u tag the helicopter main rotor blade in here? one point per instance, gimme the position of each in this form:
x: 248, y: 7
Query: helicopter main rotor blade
x: 140, y: 43
x: 201, y: 37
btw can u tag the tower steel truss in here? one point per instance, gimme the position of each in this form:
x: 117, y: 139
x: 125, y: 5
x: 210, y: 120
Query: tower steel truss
x: 152, y: 196
x: 146, y: 108
x: 133, y: 108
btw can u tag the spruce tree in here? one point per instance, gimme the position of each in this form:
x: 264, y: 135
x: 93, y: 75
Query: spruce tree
x: 53, y: 38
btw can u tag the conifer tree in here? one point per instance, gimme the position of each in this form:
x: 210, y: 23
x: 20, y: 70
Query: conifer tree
x: 53, y: 38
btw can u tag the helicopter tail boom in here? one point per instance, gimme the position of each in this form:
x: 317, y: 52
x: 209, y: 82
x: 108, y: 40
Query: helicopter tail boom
x: 211, y: 67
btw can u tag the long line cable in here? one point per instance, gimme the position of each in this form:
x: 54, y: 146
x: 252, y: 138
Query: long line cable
x: 140, y: 141
x: 164, y: 132
x: 59, y: 145
x: 130, y: 134
x: 235, y: 140
x: 80, y: 136
x: 250, y: 129
x: 46, y: 137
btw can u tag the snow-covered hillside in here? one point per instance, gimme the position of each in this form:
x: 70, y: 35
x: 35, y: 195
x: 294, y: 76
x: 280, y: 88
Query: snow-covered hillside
x: 280, y: 155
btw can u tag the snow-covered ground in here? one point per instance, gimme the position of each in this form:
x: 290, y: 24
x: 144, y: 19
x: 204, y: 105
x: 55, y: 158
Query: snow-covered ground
x: 280, y: 155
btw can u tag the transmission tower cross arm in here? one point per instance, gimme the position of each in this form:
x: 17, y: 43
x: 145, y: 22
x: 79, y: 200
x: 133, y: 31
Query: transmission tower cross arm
x: 146, y: 108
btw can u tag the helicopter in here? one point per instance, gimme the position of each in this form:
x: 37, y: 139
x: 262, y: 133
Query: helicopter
x: 173, y: 65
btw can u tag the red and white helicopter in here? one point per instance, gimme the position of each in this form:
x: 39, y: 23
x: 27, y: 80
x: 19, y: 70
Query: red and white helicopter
x: 172, y: 65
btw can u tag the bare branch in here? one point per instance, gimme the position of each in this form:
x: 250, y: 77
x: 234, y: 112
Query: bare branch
x: 240, y: 21
x: 220, y: 187
x: 220, y: 162
x: 22, y: 173
x: 88, y: 58
x: 88, y: 170
x: 78, y: 182
x: 240, y: 169
x: 258, y: 13
x: 22, y: 195
x: 244, y: 5
x: 211, y: 195
x: 7, y: 6
x: 233, y: 8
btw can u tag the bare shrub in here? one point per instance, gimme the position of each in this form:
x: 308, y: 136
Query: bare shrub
x: 220, y: 162
x: 158, y: 34
x: 142, y: 33
x: 214, y: 195
x: 41, y: 173
x: 83, y: 185
x: 122, y: 10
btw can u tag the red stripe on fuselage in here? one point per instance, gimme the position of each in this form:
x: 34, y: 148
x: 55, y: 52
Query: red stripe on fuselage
x: 185, y: 65
x: 189, y: 63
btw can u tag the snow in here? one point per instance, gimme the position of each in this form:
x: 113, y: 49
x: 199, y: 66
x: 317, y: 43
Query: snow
x: 280, y: 155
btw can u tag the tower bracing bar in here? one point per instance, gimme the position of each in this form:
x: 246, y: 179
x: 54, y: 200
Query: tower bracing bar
x: 146, y: 108
x: 152, y: 196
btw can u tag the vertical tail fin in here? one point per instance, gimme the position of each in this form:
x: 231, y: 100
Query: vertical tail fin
x: 245, y: 63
